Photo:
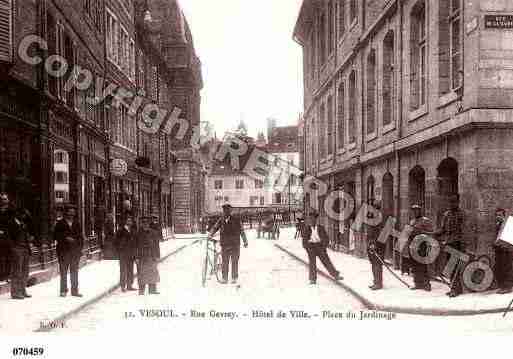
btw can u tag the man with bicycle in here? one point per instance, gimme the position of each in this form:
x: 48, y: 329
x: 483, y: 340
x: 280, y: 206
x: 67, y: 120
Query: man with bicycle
x: 231, y: 231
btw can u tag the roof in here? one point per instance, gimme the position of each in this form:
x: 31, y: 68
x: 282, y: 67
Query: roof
x: 304, y: 19
x: 283, y: 139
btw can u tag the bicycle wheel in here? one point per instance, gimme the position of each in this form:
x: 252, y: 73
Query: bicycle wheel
x: 218, y: 266
x: 204, y: 270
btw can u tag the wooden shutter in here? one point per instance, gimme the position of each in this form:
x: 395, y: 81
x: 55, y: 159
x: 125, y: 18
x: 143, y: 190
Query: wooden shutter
x: 6, y: 30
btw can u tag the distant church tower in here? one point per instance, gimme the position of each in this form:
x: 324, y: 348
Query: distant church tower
x: 271, y: 125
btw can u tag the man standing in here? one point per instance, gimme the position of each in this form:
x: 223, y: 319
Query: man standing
x: 376, y: 251
x: 147, y: 255
x: 125, y: 246
x: 452, y: 235
x: 503, y: 257
x: 300, y: 222
x: 70, y: 242
x: 231, y: 231
x: 6, y: 214
x: 19, y: 238
x: 421, y: 225
x: 315, y: 242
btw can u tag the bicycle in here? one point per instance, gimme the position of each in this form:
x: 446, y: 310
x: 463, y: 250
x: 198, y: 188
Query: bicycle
x: 211, y: 261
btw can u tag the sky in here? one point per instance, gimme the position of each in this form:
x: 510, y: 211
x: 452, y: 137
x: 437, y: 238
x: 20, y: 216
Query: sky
x: 252, y: 68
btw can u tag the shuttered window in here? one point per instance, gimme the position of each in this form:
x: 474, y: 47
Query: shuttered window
x: 6, y: 13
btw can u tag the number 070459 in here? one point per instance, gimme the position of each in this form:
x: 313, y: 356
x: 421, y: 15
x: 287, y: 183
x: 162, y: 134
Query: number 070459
x: 24, y: 351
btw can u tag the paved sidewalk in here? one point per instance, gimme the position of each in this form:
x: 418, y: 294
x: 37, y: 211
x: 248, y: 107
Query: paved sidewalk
x: 97, y: 280
x: 395, y: 296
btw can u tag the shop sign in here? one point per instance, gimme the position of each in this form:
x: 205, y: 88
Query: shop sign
x: 498, y: 21
x: 118, y: 167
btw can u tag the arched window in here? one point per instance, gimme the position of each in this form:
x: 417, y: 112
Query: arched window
x: 371, y: 92
x: 351, y: 119
x: 341, y: 115
x: 418, y: 56
x: 388, y: 92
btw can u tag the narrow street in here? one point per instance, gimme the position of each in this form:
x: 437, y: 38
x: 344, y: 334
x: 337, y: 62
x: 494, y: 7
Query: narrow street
x: 269, y: 280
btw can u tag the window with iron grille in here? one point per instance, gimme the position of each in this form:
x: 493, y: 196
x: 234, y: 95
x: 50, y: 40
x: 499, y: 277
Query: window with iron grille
x: 6, y: 30
x: 239, y: 184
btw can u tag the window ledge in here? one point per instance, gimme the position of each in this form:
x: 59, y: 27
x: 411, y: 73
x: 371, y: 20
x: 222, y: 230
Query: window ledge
x: 371, y: 136
x: 415, y: 114
x: 448, y: 98
x: 389, y: 128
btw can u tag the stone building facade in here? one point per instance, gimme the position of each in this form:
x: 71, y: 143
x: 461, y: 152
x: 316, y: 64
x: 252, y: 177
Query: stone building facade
x: 228, y: 185
x: 410, y: 101
x: 57, y: 147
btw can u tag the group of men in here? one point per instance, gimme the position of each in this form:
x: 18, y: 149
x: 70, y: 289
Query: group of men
x: 449, y: 234
x: 315, y: 241
x: 16, y: 235
x: 141, y: 247
x: 314, y: 235
x: 132, y: 245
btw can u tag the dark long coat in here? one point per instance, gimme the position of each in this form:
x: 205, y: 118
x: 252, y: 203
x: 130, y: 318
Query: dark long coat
x: 63, y: 231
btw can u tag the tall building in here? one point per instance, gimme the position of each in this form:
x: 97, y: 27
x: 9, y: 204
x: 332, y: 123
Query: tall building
x: 63, y: 144
x: 410, y: 102
x: 225, y: 184
x: 283, y: 144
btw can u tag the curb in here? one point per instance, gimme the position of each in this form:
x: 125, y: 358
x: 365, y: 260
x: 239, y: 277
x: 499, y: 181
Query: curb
x: 105, y: 293
x: 398, y: 309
